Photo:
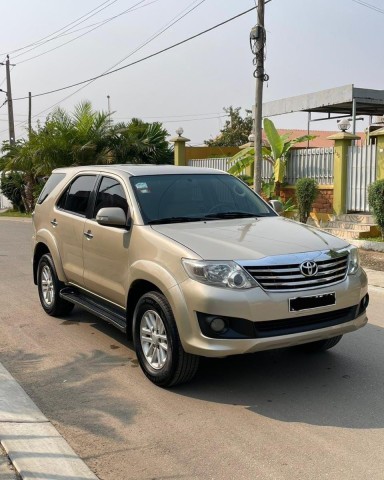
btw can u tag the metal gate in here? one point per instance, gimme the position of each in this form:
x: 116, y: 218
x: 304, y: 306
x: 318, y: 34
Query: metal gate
x: 361, y: 173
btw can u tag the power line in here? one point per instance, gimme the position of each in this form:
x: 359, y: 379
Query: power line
x: 368, y: 5
x: 193, y: 119
x: 166, y: 27
x: 141, y: 59
x: 100, y: 24
x: 131, y: 64
x: 63, y: 28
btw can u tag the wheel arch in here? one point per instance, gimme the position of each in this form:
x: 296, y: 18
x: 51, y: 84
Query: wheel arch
x: 45, y: 243
x: 138, y: 288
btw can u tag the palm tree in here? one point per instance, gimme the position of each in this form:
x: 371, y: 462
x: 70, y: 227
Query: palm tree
x: 276, y: 153
x: 83, y: 138
x: 140, y: 142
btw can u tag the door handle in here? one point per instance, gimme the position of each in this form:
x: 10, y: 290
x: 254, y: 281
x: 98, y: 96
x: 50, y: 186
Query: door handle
x: 54, y: 223
x: 88, y: 234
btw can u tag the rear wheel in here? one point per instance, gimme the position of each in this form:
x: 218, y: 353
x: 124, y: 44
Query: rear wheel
x: 49, y: 287
x: 157, y: 343
x: 320, y: 345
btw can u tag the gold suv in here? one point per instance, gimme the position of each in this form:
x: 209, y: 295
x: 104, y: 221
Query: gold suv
x: 192, y: 263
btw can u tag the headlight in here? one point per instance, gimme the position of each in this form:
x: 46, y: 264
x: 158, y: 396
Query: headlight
x: 225, y: 274
x: 353, y: 260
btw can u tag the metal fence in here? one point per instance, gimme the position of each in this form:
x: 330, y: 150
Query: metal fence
x: 361, y: 173
x: 314, y: 163
x: 219, y: 163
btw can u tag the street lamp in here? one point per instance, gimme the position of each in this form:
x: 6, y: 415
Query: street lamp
x: 180, y: 131
x: 343, y: 124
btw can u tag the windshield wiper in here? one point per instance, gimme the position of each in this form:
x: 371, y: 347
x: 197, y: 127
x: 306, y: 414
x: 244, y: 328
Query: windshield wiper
x: 174, y: 220
x: 233, y: 215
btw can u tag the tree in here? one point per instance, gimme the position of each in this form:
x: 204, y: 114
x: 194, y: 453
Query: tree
x: 84, y: 137
x: 276, y: 152
x: 12, y: 186
x: 18, y: 159
x: 235, y: 131
x: 140, y: 142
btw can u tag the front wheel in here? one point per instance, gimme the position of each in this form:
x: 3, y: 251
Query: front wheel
x: 320, y: 345
x: 49, y: 288
x: 157, y: 343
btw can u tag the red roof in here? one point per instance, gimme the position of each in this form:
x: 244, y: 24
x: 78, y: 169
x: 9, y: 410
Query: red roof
x: 320, y: 141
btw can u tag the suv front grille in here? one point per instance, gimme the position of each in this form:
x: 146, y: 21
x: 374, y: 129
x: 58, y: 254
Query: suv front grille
x: 332, y: 268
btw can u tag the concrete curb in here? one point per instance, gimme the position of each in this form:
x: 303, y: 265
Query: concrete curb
x: 368, y: 245
x: 17, y: 219
x: 35, y: 447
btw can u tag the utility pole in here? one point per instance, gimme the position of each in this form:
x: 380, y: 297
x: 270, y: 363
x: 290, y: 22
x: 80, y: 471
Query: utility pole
x: 29, y: 113
x: 10, y: 104
x: 109, y: 111
x: 257, y: 40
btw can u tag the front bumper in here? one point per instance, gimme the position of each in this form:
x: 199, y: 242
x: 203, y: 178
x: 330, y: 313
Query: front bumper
x: 259, y: 306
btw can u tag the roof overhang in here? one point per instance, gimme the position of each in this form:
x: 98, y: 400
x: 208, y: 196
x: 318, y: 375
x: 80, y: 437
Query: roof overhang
x: 340, y: 100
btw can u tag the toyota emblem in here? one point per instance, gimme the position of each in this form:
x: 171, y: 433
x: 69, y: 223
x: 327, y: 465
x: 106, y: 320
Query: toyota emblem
x: 309, y: 268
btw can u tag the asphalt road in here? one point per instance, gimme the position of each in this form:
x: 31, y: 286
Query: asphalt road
x: 272, y: 415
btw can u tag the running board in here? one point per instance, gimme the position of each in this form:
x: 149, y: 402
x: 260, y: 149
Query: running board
x: 93, y: 305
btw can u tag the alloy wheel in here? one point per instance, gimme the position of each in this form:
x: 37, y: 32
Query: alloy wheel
x: 153, y: 338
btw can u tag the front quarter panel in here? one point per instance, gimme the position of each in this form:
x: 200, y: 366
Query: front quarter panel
x: 46, y: 238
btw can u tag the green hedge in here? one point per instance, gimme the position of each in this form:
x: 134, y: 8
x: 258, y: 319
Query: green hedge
x: 376, y: 202
x: 306, y: 193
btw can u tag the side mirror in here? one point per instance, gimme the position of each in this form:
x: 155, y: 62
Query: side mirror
x: 112, y: 217
x: 276, y: 205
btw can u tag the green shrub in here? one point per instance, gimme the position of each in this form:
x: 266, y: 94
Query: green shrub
x: 376, y: 202
x: 12, y: 186
x: 306, y: 193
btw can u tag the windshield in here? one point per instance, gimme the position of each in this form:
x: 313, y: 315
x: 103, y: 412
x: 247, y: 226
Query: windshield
x: 195, y: 197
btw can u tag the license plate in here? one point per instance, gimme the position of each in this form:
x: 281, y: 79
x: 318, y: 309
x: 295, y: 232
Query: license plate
x: 313, y: 301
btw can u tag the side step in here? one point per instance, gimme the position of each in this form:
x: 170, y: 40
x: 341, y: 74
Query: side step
x: 107, y: 312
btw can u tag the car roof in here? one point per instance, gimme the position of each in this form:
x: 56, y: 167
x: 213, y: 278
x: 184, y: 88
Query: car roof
x: 141, y: 169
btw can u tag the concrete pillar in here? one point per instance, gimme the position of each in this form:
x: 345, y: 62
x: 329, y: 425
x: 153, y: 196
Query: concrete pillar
x: 379, y: 134
x: 340, y: 168
x: 179, y: 150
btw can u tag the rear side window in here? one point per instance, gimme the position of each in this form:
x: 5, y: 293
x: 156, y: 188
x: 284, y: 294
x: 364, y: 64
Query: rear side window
x: 75, y: 199
x: 52, y: 182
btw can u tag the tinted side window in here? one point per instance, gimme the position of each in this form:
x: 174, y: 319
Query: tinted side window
x: 75, y: 198
x: 52, y: 182
x: 110, y: 194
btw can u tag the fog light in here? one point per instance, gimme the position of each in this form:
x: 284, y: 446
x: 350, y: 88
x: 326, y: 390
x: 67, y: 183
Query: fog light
x: 218, y: 325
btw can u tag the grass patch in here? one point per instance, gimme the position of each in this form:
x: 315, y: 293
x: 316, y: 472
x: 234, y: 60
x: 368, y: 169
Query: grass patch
x: 374, y: 239
x: 15, y: 213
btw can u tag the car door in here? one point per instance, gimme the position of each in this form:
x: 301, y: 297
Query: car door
x: 105, y: 248
x: 67, y: 224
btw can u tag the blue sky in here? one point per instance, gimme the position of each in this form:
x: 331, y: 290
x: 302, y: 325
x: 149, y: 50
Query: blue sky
x: 311, y: 45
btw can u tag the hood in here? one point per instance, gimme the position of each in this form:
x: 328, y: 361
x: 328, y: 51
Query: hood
x: 249, y: 239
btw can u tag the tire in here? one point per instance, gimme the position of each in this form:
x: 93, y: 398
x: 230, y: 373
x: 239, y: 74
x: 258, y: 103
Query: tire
x: 320, y: 345
x: 157, y: 343
x: 49, y: 288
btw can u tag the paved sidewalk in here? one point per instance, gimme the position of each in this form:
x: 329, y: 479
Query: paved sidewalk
x: 375, y: 278
x: 35, y: 448
x: 7, y: 470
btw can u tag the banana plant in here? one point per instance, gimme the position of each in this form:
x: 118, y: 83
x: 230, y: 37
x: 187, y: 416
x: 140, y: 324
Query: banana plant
x: 275, y: 152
